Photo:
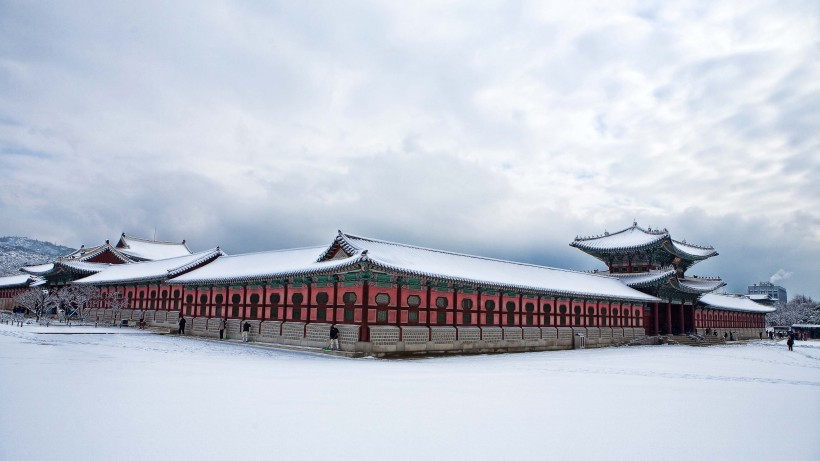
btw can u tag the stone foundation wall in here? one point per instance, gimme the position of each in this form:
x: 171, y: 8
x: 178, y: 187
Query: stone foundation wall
x: 386, y: 340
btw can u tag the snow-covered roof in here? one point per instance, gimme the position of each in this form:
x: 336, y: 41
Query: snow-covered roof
x: 150, y: 250
x: 149, y: 270
x: 637, y: 238
x: 759, y: 297
x: 84, y: 254
x: 643, y: 279
x: 700, y: 284
x: 84, y: 267
x: 264, y: 265
x: 14, y: 281
x: 40, y: 269
x: 631, y: 238
x: 412, y: 261
x: 733, y: 303
x: 463, y: 268
x: 690, y: 251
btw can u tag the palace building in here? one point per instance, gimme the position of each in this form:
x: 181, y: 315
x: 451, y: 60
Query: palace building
x: 392, y: 298
x: 654, y: 263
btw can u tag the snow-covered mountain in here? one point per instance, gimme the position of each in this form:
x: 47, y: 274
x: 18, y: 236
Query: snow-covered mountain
x: 16, y: 252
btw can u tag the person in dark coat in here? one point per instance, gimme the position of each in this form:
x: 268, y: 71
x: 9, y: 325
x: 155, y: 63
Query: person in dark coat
x: 222, y: 324
x: 182, y: 325
x: 334, y: 338
x: 790, y: 342
x: 246, y: 330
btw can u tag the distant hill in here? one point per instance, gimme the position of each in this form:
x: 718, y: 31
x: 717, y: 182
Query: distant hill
x: 16, y: 252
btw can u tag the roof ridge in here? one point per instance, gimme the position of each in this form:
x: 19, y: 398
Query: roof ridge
x: 632, y: 227
x: 701, y: 247
x: 484, y: 258
x: 130, y: 237
x: 281, y: 250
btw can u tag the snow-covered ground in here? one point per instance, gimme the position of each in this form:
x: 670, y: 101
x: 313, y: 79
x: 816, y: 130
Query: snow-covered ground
x: 143, y: 396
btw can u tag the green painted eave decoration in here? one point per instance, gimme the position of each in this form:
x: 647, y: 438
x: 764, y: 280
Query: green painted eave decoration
x: 323, y: 281
x: 383, y: 280
x: 351, y: 279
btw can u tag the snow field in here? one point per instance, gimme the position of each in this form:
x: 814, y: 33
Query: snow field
x: 145, y: 396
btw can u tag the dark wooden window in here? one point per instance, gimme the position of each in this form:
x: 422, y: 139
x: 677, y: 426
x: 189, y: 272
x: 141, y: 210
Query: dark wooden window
x: 530, y: 308
x: 349, y: 298
x: 382, y: 299
x: 510, y: 313
x: 489, y: 306
x: 322, y: 298
x: 413, y: 301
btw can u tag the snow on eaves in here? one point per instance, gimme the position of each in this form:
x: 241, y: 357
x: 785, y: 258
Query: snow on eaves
x: 643, y: 279
x: 264, y: 265
x: 40, y: 269
x: 501, y: 274
x: 17, y: 281
x: 149, y: 270
x: 151, y: 250
x: 733, y: 303
x: 411, y: 261
x: 631, y: 238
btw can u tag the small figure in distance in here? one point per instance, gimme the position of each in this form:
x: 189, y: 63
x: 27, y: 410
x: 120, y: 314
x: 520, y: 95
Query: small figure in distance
x: 181, y: 324
x: 790, y: 342
x: 334, y: 338
x: 246, y: 330
x: 222, y: 324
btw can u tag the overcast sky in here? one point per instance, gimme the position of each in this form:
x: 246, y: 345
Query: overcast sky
x: 501, y: 129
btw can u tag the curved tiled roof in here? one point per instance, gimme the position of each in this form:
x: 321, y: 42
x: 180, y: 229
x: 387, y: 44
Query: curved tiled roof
x: 83, y: 267
x: 631, y: 238
x: 151, y: 250
x: 264, y: 266
x: 40, y: 269
x: 149, y: 270
x: 412, y: 261
x: 17, y: 281
x: 689, y: 251
x: 644, y: 279
x: 733, y: 303
x: 701, y: 284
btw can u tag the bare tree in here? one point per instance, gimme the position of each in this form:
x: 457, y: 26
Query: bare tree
x: 116, y: 302
x: 74, y: 299
x: 35, y: 301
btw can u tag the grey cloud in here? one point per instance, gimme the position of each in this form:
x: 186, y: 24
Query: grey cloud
x: 495, y: 129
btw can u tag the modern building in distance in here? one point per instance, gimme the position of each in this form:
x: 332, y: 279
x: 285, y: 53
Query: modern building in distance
x: 775, y: 292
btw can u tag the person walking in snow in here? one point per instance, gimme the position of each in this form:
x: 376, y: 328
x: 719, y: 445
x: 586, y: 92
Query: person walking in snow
x: 181, y: 325
x: 246, y: 330
x: 790, y: 342
x: 222, y: 324
x: 334, y: 338
x: 142, y: 320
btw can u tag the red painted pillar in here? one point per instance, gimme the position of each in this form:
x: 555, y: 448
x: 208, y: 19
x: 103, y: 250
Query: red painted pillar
x: 656, y: 311
x: 682, y: 322
x: 669, y: 317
